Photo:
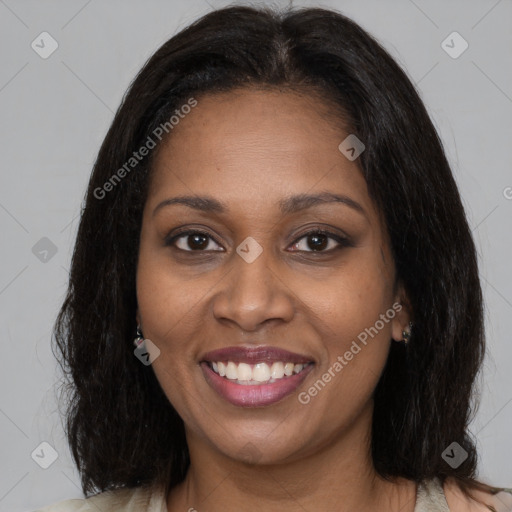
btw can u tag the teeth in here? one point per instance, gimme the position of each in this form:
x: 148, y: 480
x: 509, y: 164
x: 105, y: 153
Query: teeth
x: 244, y: 372
x: 288, y: 369
x: 277, y: 371
x: 259, y: 373
x: 231, y: 371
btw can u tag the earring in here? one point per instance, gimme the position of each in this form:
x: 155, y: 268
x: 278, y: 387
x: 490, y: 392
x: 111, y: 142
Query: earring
x: 407, y: 334
x: 139, y: 339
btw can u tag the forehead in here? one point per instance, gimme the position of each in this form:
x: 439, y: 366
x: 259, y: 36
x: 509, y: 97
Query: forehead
x: 253, y: 146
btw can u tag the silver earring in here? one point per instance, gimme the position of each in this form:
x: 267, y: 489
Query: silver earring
x: 140, y: 338
x: 407, y: 334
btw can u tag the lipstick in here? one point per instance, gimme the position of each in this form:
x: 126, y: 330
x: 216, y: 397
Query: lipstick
x: 254, y: 376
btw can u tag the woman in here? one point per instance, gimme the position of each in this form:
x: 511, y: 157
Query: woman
x: 274, y: 297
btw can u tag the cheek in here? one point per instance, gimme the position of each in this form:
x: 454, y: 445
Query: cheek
x: 166, y: 301
x: 169, y: 317
x: 349, y: 301
x: 353, y: 312
x: 356, y: 344
x: 169, y: 309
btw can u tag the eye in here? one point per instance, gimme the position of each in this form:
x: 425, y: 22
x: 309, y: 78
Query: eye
x: 320, y: 241
x: 317, y: 240
x: 193, y: 240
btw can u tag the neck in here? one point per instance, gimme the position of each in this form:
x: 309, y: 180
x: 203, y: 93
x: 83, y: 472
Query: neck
x: 336, y: 476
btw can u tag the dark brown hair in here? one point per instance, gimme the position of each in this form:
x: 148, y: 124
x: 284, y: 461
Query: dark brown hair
x: 122, y: 430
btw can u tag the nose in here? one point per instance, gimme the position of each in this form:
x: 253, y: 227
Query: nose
x: 253, y: 294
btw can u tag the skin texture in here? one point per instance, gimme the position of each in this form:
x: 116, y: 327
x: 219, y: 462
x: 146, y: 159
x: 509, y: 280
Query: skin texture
x: 250, y: 149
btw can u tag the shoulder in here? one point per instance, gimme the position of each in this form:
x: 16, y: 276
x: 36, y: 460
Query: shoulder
x: 137, y: 499
x: 459, y: 502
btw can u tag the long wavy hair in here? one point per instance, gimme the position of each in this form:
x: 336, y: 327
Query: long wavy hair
x: 121, y: 428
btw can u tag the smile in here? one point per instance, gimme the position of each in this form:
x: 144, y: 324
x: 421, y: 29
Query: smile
x: 254, y: 377
x: 257, y: 374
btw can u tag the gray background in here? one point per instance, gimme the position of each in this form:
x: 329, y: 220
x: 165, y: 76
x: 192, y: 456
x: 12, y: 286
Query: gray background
x: 56, y: 111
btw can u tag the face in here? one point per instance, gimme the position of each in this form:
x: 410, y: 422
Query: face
x: 263, y: 256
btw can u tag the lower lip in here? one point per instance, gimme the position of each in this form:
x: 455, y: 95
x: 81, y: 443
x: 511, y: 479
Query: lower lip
x: 258, y: 395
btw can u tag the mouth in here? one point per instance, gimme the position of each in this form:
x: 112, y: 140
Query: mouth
x: 254, y: 377
x: 256, y: 374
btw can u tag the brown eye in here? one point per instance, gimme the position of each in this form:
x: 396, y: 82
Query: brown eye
x: 317, y: 242
x: 320, y: 241
x: 193, y: 241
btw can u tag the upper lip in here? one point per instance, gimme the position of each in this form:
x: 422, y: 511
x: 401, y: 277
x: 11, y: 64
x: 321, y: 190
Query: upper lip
x: 258, y: 354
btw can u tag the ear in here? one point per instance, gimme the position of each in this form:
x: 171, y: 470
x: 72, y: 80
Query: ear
x: 137, y: 316
x: 403, y: 316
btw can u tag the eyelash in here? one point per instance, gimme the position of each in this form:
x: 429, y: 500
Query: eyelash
x: 342, y: 241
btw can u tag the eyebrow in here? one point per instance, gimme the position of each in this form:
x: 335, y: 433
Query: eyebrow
x: 288, y: 205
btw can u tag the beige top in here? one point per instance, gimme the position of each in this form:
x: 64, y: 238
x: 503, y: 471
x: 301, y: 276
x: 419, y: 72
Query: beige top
x: 430, y: 498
